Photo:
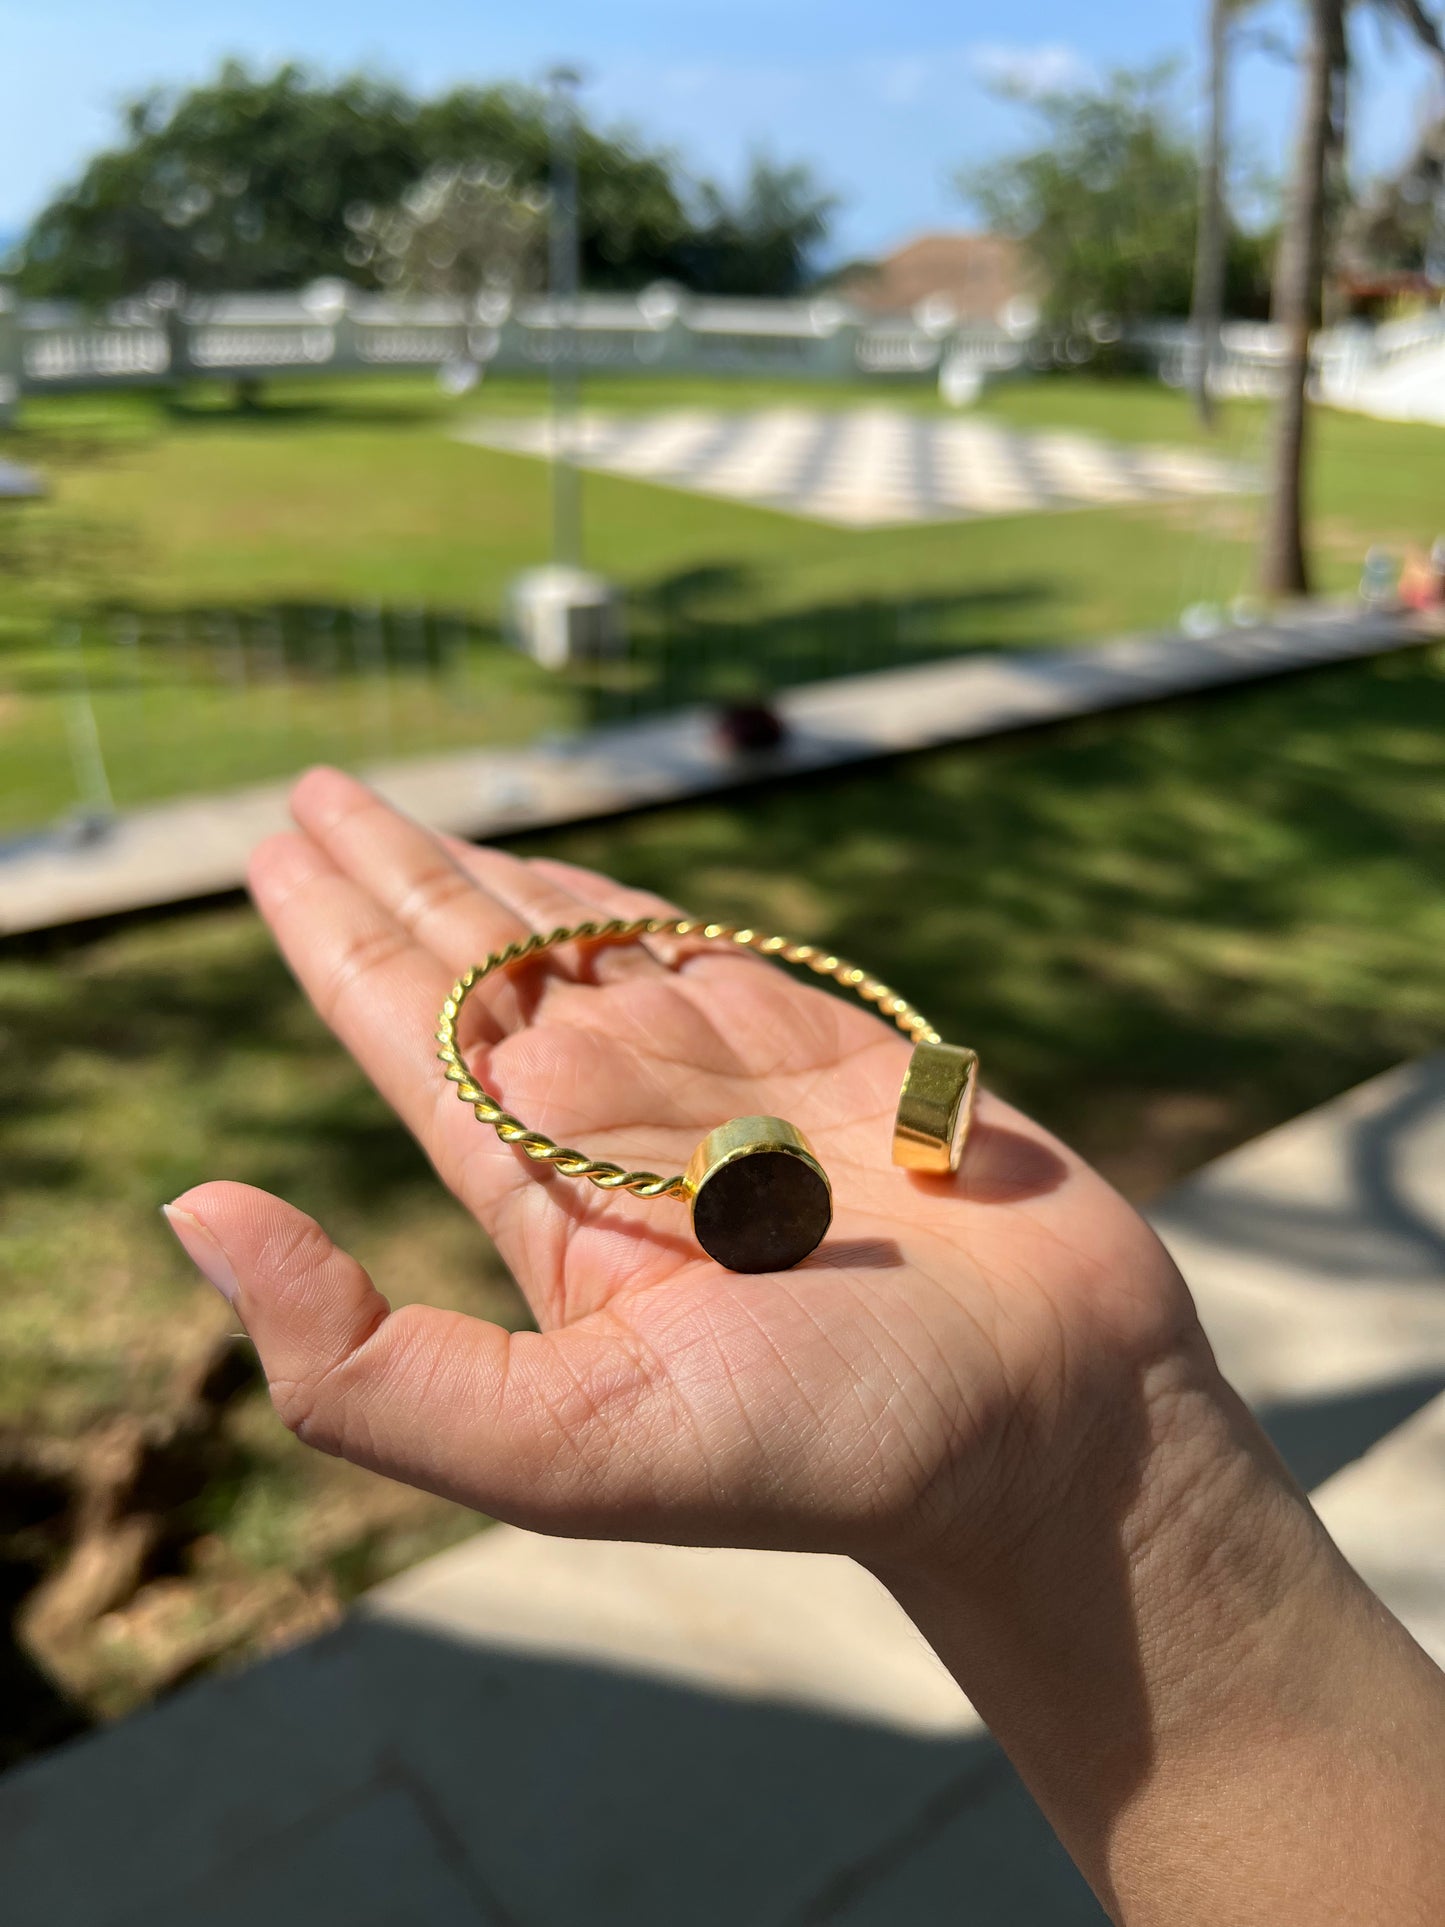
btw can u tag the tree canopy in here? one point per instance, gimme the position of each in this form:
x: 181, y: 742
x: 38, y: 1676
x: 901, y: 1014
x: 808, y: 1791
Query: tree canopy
x: 255, y: 181
x: 761, y: 239
x: 456, y: 231
x: 1107, y: 206
x: 1398, y: 223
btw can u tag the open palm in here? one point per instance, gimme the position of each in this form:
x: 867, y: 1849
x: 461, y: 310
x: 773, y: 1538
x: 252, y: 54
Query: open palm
x: 898, y: 1385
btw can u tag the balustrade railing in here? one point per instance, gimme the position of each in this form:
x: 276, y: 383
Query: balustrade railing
x: 52, y: 346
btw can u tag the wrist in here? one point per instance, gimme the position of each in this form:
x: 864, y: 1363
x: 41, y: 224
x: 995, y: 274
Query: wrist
x: 1152, y: 1458
x: 1201, y: 1694
x: 1166, y: 1495
x: 1119, y: 1637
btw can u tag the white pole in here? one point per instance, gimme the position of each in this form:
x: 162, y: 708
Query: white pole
x: 86, y: 756
x: 565, y: 276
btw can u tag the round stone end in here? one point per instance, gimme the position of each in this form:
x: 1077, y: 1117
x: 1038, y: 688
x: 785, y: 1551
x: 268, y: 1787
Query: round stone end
x: 762, y: 1207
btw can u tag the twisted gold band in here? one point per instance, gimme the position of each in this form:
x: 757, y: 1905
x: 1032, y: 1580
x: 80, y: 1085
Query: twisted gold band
x: 575, y: 1164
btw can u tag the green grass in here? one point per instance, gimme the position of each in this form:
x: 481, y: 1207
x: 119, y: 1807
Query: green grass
x: 128, y: 1063
x: 1166, y: 930
x: 339, y: 497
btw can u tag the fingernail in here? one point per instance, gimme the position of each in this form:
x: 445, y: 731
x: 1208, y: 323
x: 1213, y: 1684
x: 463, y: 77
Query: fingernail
x: 202, y: 1250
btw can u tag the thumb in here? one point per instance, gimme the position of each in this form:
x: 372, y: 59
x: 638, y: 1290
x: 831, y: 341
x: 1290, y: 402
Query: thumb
x: 525, y: 1426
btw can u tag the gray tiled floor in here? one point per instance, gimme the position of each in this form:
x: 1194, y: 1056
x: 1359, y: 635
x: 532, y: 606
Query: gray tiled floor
x: 374, y: 1862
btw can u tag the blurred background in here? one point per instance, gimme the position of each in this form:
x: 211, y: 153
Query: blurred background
x: 482, y: 393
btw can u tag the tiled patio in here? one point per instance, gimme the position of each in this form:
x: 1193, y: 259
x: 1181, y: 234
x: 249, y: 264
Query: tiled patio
x: 871, y: 467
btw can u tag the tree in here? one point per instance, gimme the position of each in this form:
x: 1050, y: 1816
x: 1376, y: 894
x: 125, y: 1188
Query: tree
x: 1299, y: 276
x: 761, y: 241
x: 632, y: 216
x: 1397, y: 226
x: 246, y: 183
x: 1107, y: 206
x: 1207, y: 302
x: 456, y: 231
x: 241, y: 183
x: 1298, y: 279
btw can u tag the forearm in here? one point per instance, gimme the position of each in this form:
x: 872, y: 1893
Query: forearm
x: 1220, y: 1720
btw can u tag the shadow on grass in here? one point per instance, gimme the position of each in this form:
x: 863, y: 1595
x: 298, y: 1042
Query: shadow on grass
x: 706, y: 634
x: 714, y: 634
x: 1166, y: 931
x: 198, y: 1019
x: 271, y: 409
x: 143, y: 650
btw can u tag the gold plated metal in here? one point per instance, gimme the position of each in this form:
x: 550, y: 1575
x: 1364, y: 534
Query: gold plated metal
x: 935, y: 1107
x: 756, y: 1191
x: 760, y: 1199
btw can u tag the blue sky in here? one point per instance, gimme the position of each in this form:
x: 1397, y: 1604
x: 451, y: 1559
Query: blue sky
x: 886, y: 101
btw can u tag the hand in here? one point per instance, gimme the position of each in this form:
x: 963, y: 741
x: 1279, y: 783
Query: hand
x: 990, y: 1388
x: 893, y: 1388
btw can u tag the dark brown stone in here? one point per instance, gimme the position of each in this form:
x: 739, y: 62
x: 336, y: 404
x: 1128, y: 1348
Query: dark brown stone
x: 762, y: 1212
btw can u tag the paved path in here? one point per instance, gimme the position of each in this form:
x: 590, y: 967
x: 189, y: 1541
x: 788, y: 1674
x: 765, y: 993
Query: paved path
x: 541, y: 1733
x: 198, y: 845
x: 871, y: 467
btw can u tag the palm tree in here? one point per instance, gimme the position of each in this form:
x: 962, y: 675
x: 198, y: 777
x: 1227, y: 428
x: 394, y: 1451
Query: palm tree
x: 1299, y: 272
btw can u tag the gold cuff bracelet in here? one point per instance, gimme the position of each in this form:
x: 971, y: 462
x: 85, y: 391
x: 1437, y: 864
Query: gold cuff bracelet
x: 759, y: 1198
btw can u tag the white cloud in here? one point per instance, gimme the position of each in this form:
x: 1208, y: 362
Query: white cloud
x: 1049, y: 68
x: 904, y: 80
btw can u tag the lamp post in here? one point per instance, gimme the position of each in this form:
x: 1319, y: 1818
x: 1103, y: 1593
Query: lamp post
x: 564, y: 277
x: 563, y: 614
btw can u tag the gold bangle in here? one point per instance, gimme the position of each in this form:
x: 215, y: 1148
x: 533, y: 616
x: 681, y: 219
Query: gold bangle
x: 760, y: 1200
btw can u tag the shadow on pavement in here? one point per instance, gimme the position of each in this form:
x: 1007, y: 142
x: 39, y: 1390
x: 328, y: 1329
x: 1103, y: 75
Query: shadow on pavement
x: 388, y: 1773
x: 385, y: 1774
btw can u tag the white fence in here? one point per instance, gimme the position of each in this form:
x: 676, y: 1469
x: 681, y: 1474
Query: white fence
x: 1396, y: 369
x: 51, y: 347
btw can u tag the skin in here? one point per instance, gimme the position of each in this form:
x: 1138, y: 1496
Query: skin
x: 990, y: 1389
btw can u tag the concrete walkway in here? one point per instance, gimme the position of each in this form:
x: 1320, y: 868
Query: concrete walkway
x: 198, y: 845
x: 535, y: 1733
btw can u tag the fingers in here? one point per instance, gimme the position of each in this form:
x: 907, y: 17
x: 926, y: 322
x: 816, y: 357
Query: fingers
x: 523, y: 1426
x: 404, y: 869
x: 542, y: 897
x: 460, y: 910
x: 381, y: 993
x: 613, y: 899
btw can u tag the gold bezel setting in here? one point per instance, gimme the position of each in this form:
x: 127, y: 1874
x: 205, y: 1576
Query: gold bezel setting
x: 935, y: 1108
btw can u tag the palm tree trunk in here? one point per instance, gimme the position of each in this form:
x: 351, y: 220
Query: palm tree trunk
x: 1283, y: 568
x: 1208, y: 303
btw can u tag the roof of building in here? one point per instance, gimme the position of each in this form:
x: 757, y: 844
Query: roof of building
x: 977, y: 274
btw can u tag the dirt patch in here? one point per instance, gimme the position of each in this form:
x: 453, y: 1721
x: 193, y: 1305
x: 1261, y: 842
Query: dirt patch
x: 106, y: 1571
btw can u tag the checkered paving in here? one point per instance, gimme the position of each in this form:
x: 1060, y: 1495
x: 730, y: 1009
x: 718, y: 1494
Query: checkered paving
x: 871, y: 467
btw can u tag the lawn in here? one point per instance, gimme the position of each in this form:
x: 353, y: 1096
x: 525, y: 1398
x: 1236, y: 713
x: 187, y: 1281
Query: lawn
x: 323, y: 577
x: 1166, y: 931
